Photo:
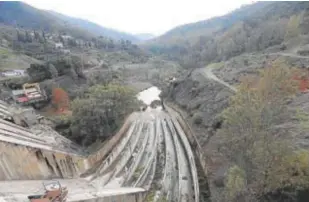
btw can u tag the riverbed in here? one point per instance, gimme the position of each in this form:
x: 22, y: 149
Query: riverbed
x: 149, y: 95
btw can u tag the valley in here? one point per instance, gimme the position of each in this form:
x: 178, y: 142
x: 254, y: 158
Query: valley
x: 214, y: 110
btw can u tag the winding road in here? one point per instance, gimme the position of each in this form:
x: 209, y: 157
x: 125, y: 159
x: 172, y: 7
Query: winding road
x: 207, y: 71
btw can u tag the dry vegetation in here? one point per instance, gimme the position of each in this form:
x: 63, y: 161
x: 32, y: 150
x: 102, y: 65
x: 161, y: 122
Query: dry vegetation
x: 249, y: 29
x: 257, y: 139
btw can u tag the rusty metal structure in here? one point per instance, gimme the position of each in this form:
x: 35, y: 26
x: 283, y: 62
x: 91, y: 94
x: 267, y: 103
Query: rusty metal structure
x: 54, y: 192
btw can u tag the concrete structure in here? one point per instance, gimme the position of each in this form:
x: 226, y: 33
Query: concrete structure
x: 58, y: 45
x: 28, y: 156
x: 13, y: 73
x: 150, y: 148
x: 24, y: 156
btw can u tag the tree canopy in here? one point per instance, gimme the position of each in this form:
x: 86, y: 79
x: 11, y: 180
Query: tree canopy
x: 258, y: 140
x: 100, y: 112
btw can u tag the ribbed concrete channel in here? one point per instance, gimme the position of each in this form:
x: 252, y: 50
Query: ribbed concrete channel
x: 149, y: 159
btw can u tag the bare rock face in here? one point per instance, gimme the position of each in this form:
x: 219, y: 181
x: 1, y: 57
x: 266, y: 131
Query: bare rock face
x: 201, y: 98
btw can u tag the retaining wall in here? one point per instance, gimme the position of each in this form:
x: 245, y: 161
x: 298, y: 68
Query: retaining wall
x: 128, y: 197
x: 18, y: 162
x: 26, y: 162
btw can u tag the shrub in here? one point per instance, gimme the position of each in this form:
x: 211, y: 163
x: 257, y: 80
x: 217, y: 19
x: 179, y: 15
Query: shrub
x: 197, y: 118
x: 253, y: 136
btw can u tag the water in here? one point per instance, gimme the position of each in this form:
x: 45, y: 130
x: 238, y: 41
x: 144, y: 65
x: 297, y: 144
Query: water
x: 149, y: 95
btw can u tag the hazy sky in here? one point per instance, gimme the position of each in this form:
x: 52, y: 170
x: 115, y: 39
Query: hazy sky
x: 141, y: 16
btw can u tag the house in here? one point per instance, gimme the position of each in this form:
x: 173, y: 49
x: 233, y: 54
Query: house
x: 58, y: 45
x: 65, y: 51
x: 13, y: 73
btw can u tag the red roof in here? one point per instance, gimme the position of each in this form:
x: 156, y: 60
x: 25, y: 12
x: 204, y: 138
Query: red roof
x: 22, y: 99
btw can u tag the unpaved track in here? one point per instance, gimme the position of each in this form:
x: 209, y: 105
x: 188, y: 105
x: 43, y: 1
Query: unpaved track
x: 290, y: 55
x: 207, y: 72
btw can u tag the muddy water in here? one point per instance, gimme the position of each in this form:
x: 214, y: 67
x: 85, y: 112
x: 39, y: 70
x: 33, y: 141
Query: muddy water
x: 149, y: 95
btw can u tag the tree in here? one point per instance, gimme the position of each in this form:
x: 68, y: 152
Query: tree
x: 44, y: 37
x: 21, y: 37
x: 98, y: 114
x: 60, y: 99
x: 293, y: 27
x: 61, y: 39
x: 52, y: 69
x: 28, y: 37
x: 36, y: 35
x: 72, y: 43
x: 256, y: 138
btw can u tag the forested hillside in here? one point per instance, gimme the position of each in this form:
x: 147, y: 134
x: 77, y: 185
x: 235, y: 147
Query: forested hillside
x: 19, y: 14
x: 251, y: 28
x: 94, y: 28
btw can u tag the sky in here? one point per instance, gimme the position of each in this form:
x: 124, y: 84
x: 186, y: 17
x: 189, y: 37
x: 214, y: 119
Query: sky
x: 141, y: 16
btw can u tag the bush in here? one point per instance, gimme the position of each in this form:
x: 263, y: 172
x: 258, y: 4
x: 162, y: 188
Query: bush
x: 197, y: 118
x: 253, y: 135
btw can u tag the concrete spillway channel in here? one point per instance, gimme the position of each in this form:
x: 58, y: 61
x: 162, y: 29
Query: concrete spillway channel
x: 184, y: 173
x: 153, y: 154
x: 134, y: 162
x: 118, y: 175
x: 136, y: 167
x: 170, y: 178
x: 148, y: 162
x: 190, y: 156
x: 119, y: 155
x: 116, y: 151
x: 9, y: 129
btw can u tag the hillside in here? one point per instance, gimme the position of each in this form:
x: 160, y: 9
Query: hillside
x: 19, y: 14
x: 95, y: 28
x: 250, y: 28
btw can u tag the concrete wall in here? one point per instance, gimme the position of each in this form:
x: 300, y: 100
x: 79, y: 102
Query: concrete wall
x: 132, y: 197
x: 21, y: 162
x: 196, y: 148
x: 106, y: 148
x: 18, y: 162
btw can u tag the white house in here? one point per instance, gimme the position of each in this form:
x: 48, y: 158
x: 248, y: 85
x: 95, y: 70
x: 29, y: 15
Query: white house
x: 58, y: 45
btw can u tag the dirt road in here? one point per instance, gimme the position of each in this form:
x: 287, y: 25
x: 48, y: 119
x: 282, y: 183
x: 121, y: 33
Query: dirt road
x: 207, y: 72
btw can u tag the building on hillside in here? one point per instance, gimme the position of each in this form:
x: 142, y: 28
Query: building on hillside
x: 4, y: 43
x: 66, y: 37
x: 65, y: 51
x: 58, y: 45
x: 29, y: 94
x: 13, y: 73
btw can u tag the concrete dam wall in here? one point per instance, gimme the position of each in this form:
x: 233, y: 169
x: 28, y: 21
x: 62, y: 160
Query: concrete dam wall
x: 18, y: 162
x: 24, y: 156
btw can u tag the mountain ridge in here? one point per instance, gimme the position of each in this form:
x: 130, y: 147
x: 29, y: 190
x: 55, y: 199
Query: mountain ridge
x: 250, y: 28
x: 94, y: 27
x: 20, y: 14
